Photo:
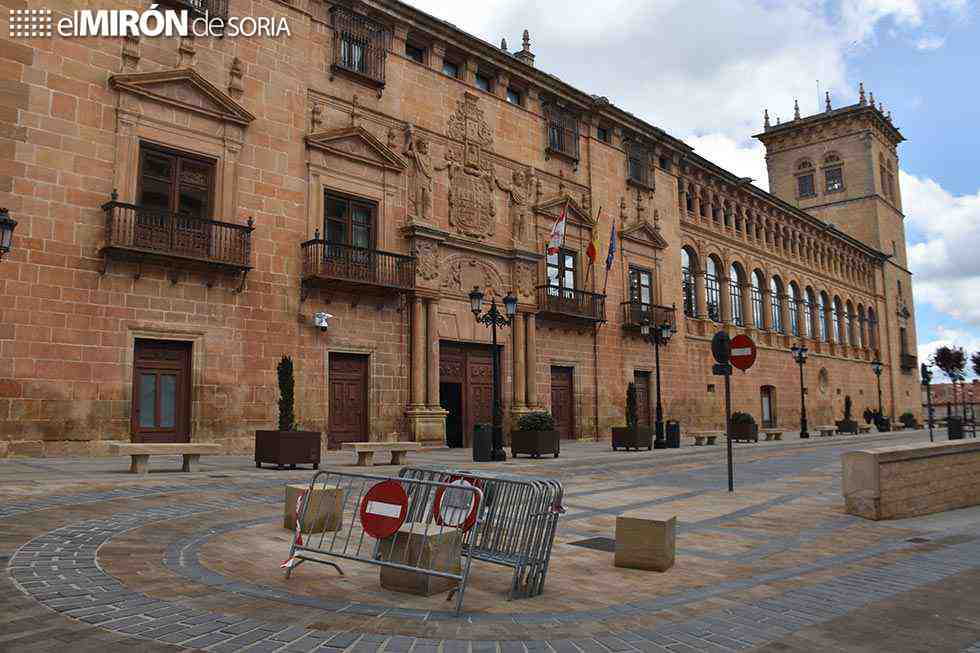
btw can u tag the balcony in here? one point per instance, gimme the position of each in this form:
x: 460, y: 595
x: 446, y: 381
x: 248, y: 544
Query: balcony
x: 137, y: 234
x: 360, y: 46
x: 569, y: 304
x: 636, y: 314
x: 908, y: 362
x: 203, y: 8
x: 357, y: 269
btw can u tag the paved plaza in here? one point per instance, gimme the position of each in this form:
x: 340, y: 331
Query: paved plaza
x: 96, y: 559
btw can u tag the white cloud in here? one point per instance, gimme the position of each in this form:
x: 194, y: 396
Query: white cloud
x: 944, y: 257
x: 948, y: 337
x: 929, y: 42
x: 745, y: 159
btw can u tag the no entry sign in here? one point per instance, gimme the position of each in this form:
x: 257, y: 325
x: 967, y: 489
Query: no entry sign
x: 456, y: 507
x: 743, y: 352
x: 383, y: 509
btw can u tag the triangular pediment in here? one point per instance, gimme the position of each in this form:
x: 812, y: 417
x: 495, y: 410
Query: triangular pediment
x: 645, y: 233
x: 576, y: 213
x: 183, y: 88
x: 358, y: 144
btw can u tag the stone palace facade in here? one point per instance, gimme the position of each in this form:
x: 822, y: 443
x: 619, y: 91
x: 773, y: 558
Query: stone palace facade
x: 187, y: 205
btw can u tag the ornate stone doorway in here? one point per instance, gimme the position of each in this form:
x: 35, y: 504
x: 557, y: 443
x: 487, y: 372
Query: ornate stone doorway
x: 466, y: 389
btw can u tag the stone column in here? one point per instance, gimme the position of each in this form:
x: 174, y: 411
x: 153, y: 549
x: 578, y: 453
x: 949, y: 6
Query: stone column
x: 784, y: 314
x: 726, y: 299
x: 432, y: 364
x: 531, y: 360
x: 699, y: 297
x: 520, y: 374
x: 437, y: 52
x: 418, y: 354
x: 766, y: 309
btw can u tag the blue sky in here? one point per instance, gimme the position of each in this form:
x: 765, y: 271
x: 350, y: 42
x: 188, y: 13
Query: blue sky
x: 705, y: 70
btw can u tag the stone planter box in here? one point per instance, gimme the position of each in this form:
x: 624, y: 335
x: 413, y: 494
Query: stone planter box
x: 744, y: 432
x: 847, y: 426
x: 534, y: 443
x: 627, y: 438
x: 291, y: 448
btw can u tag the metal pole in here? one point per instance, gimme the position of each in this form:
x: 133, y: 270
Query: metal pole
x: 929, y: 409
x: 498, y: 448
x: 803, y: 430
x: 659, y: 423
x: 728, y: 431
x: 881, y: 409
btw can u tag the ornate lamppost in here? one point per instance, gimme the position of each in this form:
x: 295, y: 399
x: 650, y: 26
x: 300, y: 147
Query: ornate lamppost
x: 877, y: 367
x: 660, y: 335
x: 799, y: 355
x: 926, y: 375
x: 493, y: 318
x: 7, y: 225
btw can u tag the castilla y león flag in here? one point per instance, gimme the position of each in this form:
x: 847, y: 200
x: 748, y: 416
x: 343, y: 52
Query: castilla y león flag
x: 558, y: 232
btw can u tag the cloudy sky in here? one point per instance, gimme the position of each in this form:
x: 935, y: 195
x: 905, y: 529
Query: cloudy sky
x: 705, y: 70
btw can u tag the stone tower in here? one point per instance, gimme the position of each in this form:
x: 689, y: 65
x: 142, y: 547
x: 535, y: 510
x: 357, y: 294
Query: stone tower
x: 841, y: 165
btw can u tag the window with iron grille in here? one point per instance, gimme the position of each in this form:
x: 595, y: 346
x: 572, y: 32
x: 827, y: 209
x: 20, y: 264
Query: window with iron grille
x: 835, y: 179
x: 755, y: 293
x: 638, y: 158
x: 712, y: 289
x: 776, y: 305
x: 687, y: 283
x: 360, y: 45
x: 735, y: 295
x: 415, y: 53
x: 804, y: 185
x: 562, y: 131
x: 514, y: 96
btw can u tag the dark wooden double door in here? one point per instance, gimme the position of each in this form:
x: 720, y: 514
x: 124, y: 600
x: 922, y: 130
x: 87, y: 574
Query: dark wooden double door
x: 465, y: 389
x: 348, y: 383
x: 641, y: 381
x: 563, y: 401
x: 161, y: 408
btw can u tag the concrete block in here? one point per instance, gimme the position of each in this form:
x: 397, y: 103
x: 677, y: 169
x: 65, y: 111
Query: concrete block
x: 324, y: 512
x: 645, y: 541
x: 437, y: 551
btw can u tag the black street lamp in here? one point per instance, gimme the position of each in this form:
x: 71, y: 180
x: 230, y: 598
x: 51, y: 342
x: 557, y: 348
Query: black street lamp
x: 799, y: 355
x: 876, y: 367
x: 660, y: 335
x: 494, y: 318
x: 926, y: 375
x: 7, y: 225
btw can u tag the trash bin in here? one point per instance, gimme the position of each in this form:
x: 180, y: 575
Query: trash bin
x: 673, y: 434
x: 954, y: 426
x: 482, y: 443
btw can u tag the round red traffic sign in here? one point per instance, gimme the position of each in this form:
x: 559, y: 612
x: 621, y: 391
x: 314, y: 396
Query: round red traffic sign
x: 383, y: 509
x: 743, y: 352
x: 456, y: 506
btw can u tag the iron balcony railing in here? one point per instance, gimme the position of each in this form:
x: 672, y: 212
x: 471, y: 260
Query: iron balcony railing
x: 208, y: 8
x: 360, y: 45
x: 563, y: 132
x: 149, y: 231
x: 357, y: 265
x: 637, y: 313
x: 568, y: 302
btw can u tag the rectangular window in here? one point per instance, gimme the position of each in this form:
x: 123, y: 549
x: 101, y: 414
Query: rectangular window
x: 514, y: 96
x: 174, y: 182
x: 665, y: 163
x: 360, y: 44
x: 602, y: 133
x: 562, y: 131
x: 415, y: 53
x: 484, y: 83
x: 450, y: 68
x: 639, y: 165
x: 561, y: 273
x: 804, y: 185
x: 348, y: 221
x: 641, y: 288
x: 835, y: 180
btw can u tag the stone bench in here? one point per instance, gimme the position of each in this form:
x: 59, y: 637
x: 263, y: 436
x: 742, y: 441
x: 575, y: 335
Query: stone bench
x: 911, y: 480
x: 826, y: 430
x: 645, y: 541
x: 140, y: 453
x: 705, y: 437
x: 365, y: 451
x: 773, y: 435
x: 866, y: 428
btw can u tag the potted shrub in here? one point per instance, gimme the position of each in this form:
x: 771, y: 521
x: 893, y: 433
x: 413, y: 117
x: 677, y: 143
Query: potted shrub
x: 535, y: 435
x: 882, y: 423
x: 743, y: 427
x: 847, y: 425
x: 908, y: 420
x: 632, y: 436
x: 287, y: 446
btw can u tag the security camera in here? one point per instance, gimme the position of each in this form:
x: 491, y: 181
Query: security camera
x: 322, y: 320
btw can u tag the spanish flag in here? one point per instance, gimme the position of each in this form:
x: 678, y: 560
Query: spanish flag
x: 592, y: 251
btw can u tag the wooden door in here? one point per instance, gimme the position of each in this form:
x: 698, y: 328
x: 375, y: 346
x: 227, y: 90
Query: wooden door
x: 348, y: 399
x: 768, y: 406
x: 161, y: 407
x: 468, y: 370
x: 562, y: 401
x: 641, y: 381
x: 479, y: 391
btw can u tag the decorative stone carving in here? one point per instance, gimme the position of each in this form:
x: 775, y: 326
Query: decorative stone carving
x: 417, y: 150
x: 130, y: 52
x: 316, y: 117
x: 186, y: 52
x: 471, y: 177
x: 463, y: 272
x: 426, y: 259
x: 520, y: 189
x: 235, y: 87
x: 524, y: 278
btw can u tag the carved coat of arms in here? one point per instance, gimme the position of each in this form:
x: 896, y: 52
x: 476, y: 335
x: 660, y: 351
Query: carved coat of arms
x: 472, y: 208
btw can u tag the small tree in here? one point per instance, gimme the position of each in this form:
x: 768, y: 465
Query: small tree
x: 975, y: 360
x: 847, y: 408
x: 952, y: 362
x: 632, y: 417
x: 287, y: 384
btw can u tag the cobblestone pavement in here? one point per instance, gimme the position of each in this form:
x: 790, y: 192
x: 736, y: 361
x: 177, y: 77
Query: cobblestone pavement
x: 97, y: 559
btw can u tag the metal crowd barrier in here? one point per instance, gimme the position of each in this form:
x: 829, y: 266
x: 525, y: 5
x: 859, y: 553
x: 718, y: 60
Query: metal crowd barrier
x: 373, y: 525
x: 516, y: 525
